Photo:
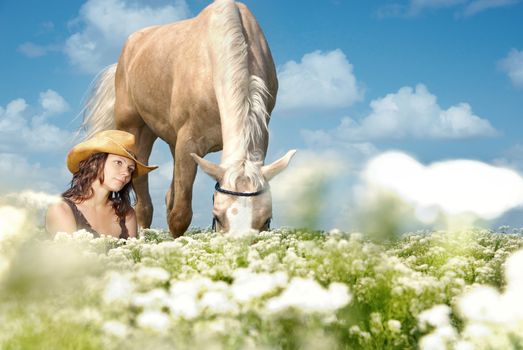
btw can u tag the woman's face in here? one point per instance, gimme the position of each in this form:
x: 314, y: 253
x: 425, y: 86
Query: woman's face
x: 118, y: 171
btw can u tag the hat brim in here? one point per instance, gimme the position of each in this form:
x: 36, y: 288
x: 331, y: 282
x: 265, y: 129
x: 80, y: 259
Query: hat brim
x: 87, y: 148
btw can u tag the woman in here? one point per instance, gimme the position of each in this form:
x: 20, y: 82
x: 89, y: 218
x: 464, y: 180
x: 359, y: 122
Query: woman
x: 99, y: 197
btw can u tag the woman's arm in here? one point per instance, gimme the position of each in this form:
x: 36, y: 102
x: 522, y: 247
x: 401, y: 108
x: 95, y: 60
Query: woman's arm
x: 59, y: 218
x: 132, y: 225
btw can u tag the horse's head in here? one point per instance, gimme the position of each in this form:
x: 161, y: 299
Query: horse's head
x: 242, y: 198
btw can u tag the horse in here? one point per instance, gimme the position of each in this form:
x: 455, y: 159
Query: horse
x: 202, y: 85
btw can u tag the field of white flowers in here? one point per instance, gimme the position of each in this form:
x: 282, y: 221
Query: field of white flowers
x: 285, y: 289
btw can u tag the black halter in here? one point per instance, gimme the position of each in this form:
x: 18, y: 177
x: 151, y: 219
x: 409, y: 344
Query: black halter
x: 240, y: 194
x: 234, y: 193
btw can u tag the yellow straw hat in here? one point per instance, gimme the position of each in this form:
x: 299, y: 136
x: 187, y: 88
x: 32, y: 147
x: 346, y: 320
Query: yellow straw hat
x: 117, y: 142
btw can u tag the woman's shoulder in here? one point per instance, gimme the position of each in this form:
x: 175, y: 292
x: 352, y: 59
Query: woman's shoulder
x: 60, y: 207
x: 60, y: 217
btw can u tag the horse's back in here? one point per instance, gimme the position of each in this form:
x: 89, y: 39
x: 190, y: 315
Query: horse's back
x: 160, y: 72
x: 166, y: 73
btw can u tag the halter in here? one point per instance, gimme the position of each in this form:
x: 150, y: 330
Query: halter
x: 234, y: 193
x: 240, y: 194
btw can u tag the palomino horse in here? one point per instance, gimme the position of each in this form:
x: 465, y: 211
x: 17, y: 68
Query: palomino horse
x: 201, y: 85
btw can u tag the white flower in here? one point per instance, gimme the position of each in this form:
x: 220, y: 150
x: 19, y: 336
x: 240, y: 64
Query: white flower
x: 343, y: 244
x: 235, y: 233
x: 154, y: 299
x: 335, y: 232
x: 184, y: 294
x: 308, y: 296
x: 437, y: 316
x: 464, y: 345
x: 115, y: 328
x: 62, y: 237
x: 355, y: 329
x: 440, y: 339
x: 166, y: 247
x: 184, y: 305
x: 248, y: 285
x: 152, y: 275
x: 512, y: 306
x: 514, y: 272
x: 218, y: 302
x: 483, y: 303
x: 394, y: 326
x: 476, y: 331
x: 153, y: 320
x: 432, y: 342
x: 253, y: 255
x: 119, y: 289
x: 82, y: 235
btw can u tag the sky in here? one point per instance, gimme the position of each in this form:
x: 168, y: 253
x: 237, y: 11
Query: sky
x: 428, y: 91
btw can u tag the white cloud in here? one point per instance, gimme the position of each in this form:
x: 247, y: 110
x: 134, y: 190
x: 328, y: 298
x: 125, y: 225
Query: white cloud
x: 456, y: 187
x: 478, y: 6
x: 513, y: 66
x: 511, y: 158
x: 463, y: 8
x: 32, y: 50
x: 357, y: 152
x: 417, y: 6
x: 23, y: 129
x: 320, y: 80
x: 413, y: 113
x: 106, y: 25
x: 17, y: 173
x: 53, y: 103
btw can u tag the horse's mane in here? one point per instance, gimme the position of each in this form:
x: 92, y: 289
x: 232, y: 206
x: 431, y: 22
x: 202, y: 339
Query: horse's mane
x: 247, y: 94
x: 244, y: 168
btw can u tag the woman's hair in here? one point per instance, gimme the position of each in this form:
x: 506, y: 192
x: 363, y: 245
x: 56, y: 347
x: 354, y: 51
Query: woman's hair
x: 91, y: 169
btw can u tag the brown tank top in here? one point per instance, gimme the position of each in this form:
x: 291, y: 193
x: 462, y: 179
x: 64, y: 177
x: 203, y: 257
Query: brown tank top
x: 82, y: 223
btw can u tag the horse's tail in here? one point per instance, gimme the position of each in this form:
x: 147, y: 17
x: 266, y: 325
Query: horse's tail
x: 98, y: 111
x: 247, y: 92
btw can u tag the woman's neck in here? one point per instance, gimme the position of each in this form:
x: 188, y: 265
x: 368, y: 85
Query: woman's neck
x: 100, y: 196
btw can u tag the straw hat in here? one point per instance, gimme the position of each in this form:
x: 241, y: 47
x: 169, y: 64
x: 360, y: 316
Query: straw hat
x: 110, y: 141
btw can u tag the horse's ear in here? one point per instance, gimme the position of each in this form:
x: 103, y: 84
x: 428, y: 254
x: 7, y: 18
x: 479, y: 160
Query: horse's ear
x: 271, y: 170
x: 213, y: 170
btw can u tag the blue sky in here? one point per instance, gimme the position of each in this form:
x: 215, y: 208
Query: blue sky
x: 436, y: 79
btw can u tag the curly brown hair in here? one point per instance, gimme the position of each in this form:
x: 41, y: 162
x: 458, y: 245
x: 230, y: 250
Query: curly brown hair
x: 80, y: 188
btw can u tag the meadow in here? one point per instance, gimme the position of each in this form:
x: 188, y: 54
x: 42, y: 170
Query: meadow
x: 283, y: 289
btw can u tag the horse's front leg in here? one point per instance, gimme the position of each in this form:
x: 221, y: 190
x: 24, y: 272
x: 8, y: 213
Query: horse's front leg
x: 144, y: 206
x: 179, y: 199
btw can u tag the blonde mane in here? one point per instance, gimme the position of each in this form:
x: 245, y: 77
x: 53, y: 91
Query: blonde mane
x: 247, y: 94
